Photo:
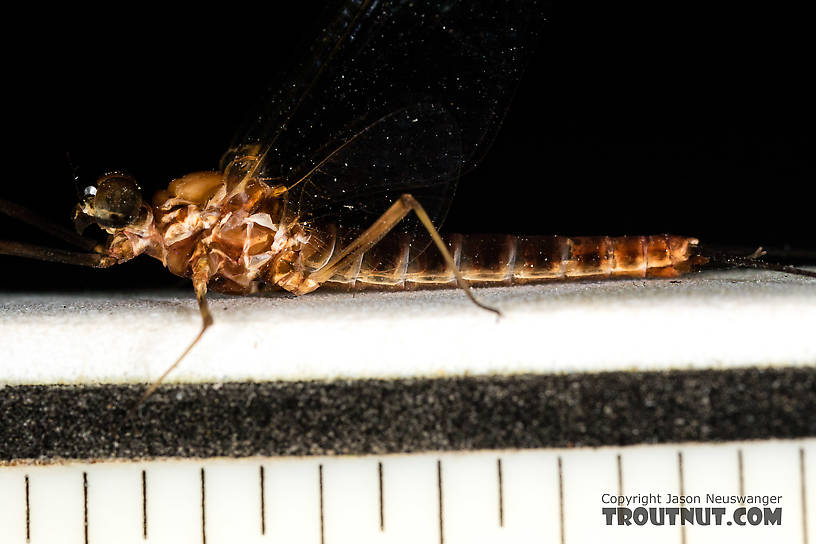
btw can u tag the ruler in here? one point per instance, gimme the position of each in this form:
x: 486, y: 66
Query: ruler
x: 501, y: 496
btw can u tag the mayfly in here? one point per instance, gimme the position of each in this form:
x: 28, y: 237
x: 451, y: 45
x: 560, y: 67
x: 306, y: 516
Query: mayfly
x: 402, y: 98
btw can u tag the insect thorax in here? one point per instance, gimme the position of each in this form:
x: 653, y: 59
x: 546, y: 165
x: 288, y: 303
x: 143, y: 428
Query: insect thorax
x: 243, y: 232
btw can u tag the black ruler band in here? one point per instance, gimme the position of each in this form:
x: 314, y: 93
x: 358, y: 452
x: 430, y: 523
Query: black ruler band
x: 407, y: 415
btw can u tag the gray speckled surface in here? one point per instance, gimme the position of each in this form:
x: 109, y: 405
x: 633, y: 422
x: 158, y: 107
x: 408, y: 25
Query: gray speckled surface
x: 712, y: 320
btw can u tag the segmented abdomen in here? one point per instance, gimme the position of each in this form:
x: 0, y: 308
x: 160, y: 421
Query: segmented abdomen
x: 505, y: 260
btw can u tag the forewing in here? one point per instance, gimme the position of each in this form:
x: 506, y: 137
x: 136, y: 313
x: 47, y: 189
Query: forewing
x: 451, y: 65
x: 418, y: 152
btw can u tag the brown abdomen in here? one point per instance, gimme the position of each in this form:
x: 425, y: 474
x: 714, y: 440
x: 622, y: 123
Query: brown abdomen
x: 506, y: 260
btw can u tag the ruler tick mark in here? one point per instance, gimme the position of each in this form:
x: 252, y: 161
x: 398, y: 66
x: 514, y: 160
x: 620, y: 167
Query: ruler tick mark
x: 439, y: 495
x: 382, y: 508
x: 263, y: 503
x: 682, y: 492
x: 804, y: 495
x: 561, y: 499
x: 144, y: 505
x: 740, y: 473
x: 85, y: 504
x: 320, y: 485
x: 203, y: 510
x: 501, y: 493
x: 28, y: 511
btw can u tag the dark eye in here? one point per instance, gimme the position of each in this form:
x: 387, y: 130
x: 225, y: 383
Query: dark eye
x: 117, y: 201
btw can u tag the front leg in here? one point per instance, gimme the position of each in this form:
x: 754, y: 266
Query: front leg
x: 201, y: 275
x: 402, y: 207
x: 40, y: 253
x: 56, y: 231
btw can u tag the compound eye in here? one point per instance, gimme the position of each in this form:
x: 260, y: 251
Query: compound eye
x: 117, y: 201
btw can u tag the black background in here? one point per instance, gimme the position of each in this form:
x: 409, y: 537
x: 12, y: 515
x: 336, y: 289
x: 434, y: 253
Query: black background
x: 633, y: 118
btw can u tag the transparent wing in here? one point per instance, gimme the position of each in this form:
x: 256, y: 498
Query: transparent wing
x: 395, y: 96
x: 418, y: 151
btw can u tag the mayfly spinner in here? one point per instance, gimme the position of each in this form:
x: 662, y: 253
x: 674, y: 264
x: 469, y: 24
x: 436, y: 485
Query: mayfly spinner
x: 401, y: 98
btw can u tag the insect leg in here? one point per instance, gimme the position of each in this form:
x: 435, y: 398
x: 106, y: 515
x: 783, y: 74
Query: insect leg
x: 56, y: 231
x: 200, y: 277
x: 402, y: 207
x: 94, y: 260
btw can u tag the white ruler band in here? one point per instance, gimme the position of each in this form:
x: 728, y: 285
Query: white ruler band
x: 509, y: 496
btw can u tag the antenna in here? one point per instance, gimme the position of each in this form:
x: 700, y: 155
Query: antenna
x: 74, y: 176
